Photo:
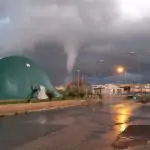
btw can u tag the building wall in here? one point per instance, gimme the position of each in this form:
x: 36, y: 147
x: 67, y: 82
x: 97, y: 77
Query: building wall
x: 108, y: 89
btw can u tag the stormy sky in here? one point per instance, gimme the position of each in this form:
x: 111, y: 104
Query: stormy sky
x: 66, y: 35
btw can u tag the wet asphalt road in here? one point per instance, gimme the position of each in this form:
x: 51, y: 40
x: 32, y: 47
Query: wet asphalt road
x: 76, y: 128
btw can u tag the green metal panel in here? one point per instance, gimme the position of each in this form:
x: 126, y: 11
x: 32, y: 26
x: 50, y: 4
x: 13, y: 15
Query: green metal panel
x: 18, y: 75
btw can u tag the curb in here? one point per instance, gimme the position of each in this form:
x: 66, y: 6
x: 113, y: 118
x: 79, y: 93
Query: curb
x: 24, y: 112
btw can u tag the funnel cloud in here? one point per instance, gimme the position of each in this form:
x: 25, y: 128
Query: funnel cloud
x: 71, y: 47
x: 86, y: 30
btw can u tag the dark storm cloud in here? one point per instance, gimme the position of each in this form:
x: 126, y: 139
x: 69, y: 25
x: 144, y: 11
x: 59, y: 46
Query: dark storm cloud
x: 32, y: 21
x: 97, y: 29
x: 52, y: 59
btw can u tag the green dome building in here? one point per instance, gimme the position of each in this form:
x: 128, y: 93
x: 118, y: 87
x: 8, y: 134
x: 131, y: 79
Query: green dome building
x: 18, y: 75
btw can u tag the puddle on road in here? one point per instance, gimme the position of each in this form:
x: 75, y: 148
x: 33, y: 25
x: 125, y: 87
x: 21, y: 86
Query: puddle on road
x: 128, y: 126
x: 133, y: 135
x: 121, y: 119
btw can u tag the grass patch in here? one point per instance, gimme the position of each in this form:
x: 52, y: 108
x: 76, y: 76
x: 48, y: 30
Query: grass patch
x: 12, y: 102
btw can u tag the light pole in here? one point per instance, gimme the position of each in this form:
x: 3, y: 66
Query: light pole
x: 139, y: 67
x: 82, y: 79
x: 78, y: 80
x: 101, y: 62
x: 120, y: 70
x: 138, y: 62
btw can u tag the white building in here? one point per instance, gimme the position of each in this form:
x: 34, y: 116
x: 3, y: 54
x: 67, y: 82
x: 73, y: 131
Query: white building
x: 108, y: 89
x: 140, y: 88
x: 113, y: 89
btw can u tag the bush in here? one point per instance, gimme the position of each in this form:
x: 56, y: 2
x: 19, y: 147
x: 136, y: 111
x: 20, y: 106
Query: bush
x: 73, y: 93
x: 82, y: 94
x: 130, y: 97
x: 50, y: 95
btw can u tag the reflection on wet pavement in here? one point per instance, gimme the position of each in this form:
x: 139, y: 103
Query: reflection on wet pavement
x: 81, y: 128
x: 134, y: 127
x: 133, y: 135
x: 121, y: 118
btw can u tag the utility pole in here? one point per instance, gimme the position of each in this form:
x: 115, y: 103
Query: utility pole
x: 82, y: 79
x: 78, y: 78
x: 133, y: 53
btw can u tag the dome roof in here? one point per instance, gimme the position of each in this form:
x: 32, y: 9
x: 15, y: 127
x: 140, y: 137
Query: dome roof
x: 17, y: 76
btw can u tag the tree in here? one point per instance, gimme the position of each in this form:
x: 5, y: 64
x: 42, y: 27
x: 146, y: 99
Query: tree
x: 50, y: 95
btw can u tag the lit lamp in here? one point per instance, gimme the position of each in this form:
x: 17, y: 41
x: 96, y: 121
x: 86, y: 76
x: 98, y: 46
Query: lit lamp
x: 120, y: 69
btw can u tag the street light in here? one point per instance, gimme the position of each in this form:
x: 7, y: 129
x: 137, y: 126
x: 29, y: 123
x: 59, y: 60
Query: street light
x: 99, y: 62
x: 138, y: 61
x: 121, y: 70
x: 78, y: 80
x: 139, y: 66
x: 132, y: 52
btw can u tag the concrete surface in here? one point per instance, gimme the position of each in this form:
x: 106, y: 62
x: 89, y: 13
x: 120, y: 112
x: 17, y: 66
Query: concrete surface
x: 11, y: 109
x: 75, y: 128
